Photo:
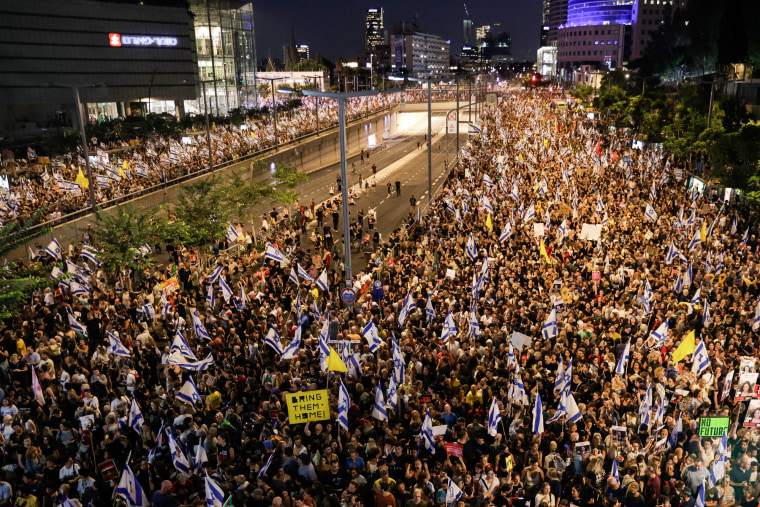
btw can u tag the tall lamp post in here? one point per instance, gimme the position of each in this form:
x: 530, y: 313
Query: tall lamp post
x: 80, y: 117
x: 274, y: 105
x: 208, y: 126
x: 341, y: 98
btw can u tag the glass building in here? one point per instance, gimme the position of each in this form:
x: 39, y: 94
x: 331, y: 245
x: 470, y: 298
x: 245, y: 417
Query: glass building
x: 226, y: 49
x: 598, y: 12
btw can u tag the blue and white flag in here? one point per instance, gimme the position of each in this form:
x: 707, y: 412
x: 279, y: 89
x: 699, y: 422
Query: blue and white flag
x: 131, y: 489
x: 372, y: 336
x: 706, y: 319
x: 78, y: 289
x: 529, y: 214
x: 614, y: 472
x: 687, y: 277
x: 293, y: 276
x: 572, y: 412
x: 189, y: 393
x: 450, y: 328
x: 291, y: 351
x: 200, y: 331
x: 179, y: 460
x: 344, y: 404
x: 650, y: 213
x: 214, y: 493
x: 201, y: 365
x: 315, y: 309
x: 549, y: 329
x: 76, y: 326
x: 517, y: 389
x: 515, y: 193
x: 700, y: 360
x: 453, y: 494
x: 115, y: 346
x: 212, y: 278
x: 660, y: 335
x: 265, y: 468
x: 470, y: 248
x: 718, y: 468
x: 673, y: 439
x: 226, y: 291
x: 745, y: 238
x: 136, y: 420
x: 273, y: 340
x: 211, y: 296
x: 407, y: 307
x: 494, y: 418
x: 678, y: 285
x: 324, y: 347
x: 622, y: 364
x: 429, y: 310
x: 303, y: 274
x: 91, y: 255
x: 559, y: 378
x: 506, y: 231
x: 696, y: 240
x: 54, y: 250
x: 673, y: 253
x: 399, y: 364
x: 271, y: 252
x: 694, y: 301
x: 379, y: 411
x: 569, y: 376
x: 180, y: 344
x: 232, y: 234
x: 473, y: 328
x: 392, y: 399
x: 700, y: 501
x: 538, y: 416
x: 646, y: 407
x: 426, y: 433
x: 322, y: 281
x: 562, y: 231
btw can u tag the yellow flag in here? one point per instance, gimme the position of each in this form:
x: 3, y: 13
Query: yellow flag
x: 545, y: 255
x: 81, y: 180
x: 687, y: 347
x: 703, y: 232
x: 489, y: 224
x: 335, y: 363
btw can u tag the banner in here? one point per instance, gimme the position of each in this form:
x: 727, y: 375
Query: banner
x: 591, y: 232
x: 454, y: 449
x: 307, y: 406
x: 715, y: 426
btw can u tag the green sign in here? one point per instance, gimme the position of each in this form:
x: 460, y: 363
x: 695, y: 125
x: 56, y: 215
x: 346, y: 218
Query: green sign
x: 713, y: 426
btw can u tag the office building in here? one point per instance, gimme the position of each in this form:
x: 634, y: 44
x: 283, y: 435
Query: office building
x: 226, y: 48
x: 374, y: 31
x: 467, y: 32
x: 303, y: 52
x: 648, y: 16
x: 417, y: 53
x: 128, y: 58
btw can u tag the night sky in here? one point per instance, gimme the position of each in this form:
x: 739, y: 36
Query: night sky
x: 336, y: 28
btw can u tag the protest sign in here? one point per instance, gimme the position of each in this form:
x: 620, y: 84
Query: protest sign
x: 307, y: 406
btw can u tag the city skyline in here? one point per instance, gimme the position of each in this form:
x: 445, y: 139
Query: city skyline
x: 276, y: 22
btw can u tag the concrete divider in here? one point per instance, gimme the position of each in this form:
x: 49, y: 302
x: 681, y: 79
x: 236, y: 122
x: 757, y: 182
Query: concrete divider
x: 308, y: 155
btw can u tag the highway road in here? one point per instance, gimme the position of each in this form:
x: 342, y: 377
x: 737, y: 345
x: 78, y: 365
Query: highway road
x: 402, y: 161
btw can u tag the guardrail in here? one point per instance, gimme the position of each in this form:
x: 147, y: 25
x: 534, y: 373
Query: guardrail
x: 206, y: 170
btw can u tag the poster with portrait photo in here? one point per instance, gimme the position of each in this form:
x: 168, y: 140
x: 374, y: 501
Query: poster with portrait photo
x: 752, y: 419
x: 747, y: 364
x: 618, y: 434
x: 583, y: 448
x: 745, y: 389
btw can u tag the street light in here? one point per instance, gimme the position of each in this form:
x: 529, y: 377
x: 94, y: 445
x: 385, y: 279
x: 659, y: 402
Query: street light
x: 80, y: 116
x: 274, y: 105
x: 341, y: 97
x: 208, y: 126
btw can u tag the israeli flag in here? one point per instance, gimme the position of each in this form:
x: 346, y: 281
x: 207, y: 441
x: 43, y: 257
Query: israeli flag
x: 392, y: 393
x: 291, y: 351
x: 136, y: 420
x: 399, y: 363
x: 687, y: 277
x: 700, y: 495
x: 494, y: 418
x: 486, y: 202
x: 265, y: 468
x: 487, y: 180
x: 200, y: 331
x: 473, y: 329
x: 450, y: 328
x: 646, y: 407
x: 470, y: 249
x: 189, y: 393
x: 303, y: 274
x: 344, y: 404
x: 215, y: 274
x: 426, y: 433
x: 718, y: 469
x: 211, y: 296
x: 517, y: 389
x: 650, y: 213
x: 129, y: 488
x: 678, y: 285
x: 271, y: 252
x: 745, y: 238
x: 559, y: 379
x: 453, y: 493
x: 712, y: 225
x: 322, y: 281
x: 538, y: 416
x: 379, y: 411
x: 572, y: 412
x: 673, y: 439
x: 694, y: 301
x: 90, y: 256
x: 696, y: 240
x: 515, y: 193
x: 214, y: 493
x: 429, y: 310
x: 293, y: 276
x: 506, y: 232
x: 76, y: 326
x: 672, y: 254
x: 706, y: 319
x: 372, y: 336
x: 614, y: 472
x: 273, y: 340
x: 625, y: 357
x: 549, y: 329
x: 530, y: 213
x: 700, y: 359
x: 180, y: 344
x: 232, y: 234
x: 324, y: 347
x: 115, y: 346
x: 568, y: 376
x: 54, y: 250
x: 179, y: 460
x: 408, y: 306
x: 226, y: 291
x: 660, y: 335
x: 562, y: 231
x: 78, y: 289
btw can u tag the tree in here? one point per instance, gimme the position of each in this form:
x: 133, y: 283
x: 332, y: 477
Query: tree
x: 204, y: 207
x: 17, y: 282
x: 120, y: 235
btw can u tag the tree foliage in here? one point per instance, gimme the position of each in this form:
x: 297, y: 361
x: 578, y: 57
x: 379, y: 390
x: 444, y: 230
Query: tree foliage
x: 120, y: 235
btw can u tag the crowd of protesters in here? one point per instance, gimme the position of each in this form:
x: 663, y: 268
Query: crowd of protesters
x: 591, y: 411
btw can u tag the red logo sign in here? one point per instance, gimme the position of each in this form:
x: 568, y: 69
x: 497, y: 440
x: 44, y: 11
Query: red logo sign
x: 114, y: 39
